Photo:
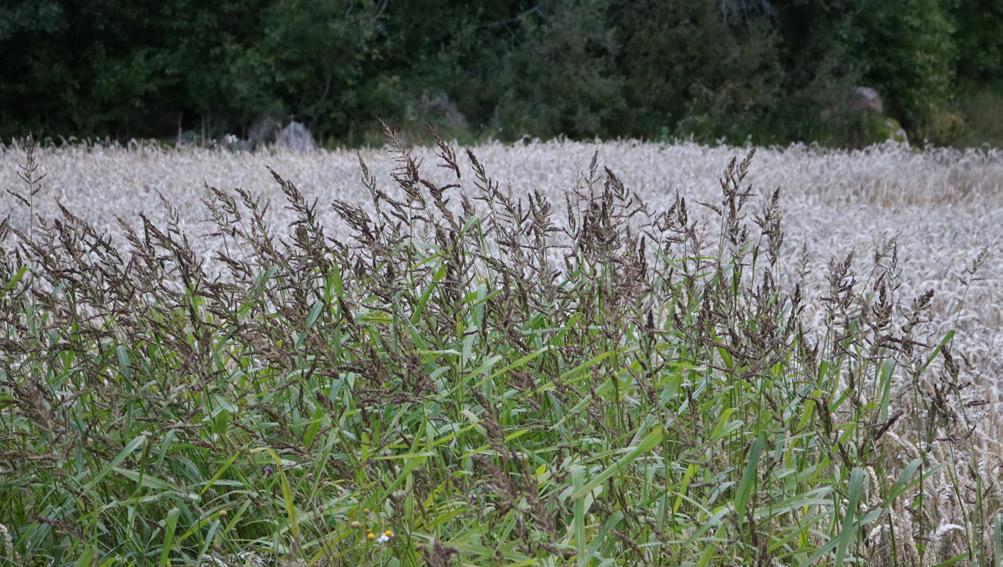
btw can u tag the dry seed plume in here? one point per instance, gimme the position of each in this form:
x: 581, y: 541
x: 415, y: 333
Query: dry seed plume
x: 787, y: 347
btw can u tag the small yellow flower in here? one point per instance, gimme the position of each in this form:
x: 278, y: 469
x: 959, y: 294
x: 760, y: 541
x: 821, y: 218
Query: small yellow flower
x: 370, y: 536
x: 223, y: 512
x: 365, y: 510
x: 389, y: 533
x: 356, y: 524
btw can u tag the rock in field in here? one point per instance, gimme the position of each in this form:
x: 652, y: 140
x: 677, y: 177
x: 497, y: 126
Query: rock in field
x: 296, y: 137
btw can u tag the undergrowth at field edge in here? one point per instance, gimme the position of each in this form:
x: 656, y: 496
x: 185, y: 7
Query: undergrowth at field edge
x: 470, y: 385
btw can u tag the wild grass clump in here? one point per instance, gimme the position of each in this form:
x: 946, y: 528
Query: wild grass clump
x: 468, y: 381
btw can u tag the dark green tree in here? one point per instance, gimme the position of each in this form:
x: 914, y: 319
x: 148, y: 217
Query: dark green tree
x: 561, y: 77
x: 700, y: 67
x: 979, y: 38
x: 906, y: 49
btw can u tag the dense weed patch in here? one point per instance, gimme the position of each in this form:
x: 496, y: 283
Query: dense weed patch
x: 467, y: 381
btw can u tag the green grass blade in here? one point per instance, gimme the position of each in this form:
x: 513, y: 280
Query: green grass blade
x: 171, y: 525
x: 748, y: 477
x: 649, y: 442
x: 131, y: 447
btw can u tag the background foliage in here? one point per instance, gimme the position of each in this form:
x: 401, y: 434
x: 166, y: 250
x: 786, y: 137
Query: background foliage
x: 771, y: 70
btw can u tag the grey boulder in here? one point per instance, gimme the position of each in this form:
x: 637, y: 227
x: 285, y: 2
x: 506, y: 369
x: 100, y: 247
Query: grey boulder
x: 296, y: 137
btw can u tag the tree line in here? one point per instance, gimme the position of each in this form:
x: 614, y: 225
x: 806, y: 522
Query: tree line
x: 770, y: 71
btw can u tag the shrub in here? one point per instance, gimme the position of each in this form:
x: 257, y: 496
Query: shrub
x: 980, y: 104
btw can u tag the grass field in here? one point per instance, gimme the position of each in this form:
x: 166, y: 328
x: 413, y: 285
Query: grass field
x: 512, y: 356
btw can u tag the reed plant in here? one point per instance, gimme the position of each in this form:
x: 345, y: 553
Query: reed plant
x: 467, y: 381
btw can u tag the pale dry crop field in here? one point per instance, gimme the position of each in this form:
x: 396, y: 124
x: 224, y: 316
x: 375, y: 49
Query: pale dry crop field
x: 942, y: 207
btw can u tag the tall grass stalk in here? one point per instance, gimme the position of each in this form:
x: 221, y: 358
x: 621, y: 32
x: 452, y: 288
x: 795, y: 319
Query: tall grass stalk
x: 467, y: 381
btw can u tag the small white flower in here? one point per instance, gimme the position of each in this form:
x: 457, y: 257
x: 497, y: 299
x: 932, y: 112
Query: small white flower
x: 383, y: 539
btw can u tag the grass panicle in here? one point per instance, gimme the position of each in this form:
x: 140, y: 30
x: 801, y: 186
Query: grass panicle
x: 477, y: 377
